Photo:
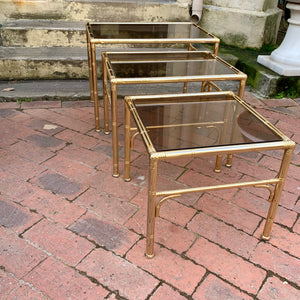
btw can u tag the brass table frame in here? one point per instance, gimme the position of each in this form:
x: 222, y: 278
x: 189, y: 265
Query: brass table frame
x: 93, y: 41
x: 111, y: 94
x: 154, y: 206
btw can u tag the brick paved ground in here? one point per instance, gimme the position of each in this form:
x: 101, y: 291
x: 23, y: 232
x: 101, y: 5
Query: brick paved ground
x: 71, y: 231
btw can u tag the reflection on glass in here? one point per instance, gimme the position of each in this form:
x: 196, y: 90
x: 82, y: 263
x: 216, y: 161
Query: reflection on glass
x: 186, y: 125
x: 146, y: 31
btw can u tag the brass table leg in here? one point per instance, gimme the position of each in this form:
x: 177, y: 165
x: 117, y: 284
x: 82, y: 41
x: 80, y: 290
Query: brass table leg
x: 95, y: 87
x: 105, y: 96
x: 127, y: 143
x: 151, y: 207
x: 114, y: 120
x: 277, y: 193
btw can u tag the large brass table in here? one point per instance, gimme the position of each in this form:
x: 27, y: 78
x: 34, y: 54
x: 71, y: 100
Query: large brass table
x: 171, y: 67
x: 197, y: 125
x: 146, y: 35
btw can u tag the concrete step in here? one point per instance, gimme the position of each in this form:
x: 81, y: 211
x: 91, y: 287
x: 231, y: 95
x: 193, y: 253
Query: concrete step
x: 97, y: 10
x: 43, y: 33
x: 43, y: 63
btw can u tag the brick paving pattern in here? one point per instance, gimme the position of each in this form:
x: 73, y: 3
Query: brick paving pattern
x: 69, y: 230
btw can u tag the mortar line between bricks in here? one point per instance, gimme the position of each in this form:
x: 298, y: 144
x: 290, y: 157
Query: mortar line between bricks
x: 272, y: 272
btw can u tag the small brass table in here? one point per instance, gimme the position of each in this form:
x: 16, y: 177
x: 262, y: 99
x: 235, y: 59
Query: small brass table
x: 197, y: 125
x: 171, y: 67
x: 147, y: 35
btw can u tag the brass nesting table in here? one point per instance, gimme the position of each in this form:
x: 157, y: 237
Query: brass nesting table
x: 146, y: 35
x: 164, y: 67
x: 197, y: 125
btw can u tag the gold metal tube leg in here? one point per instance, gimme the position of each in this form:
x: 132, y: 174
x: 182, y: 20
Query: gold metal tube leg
x: 95, y: 88
x: 277, y: 193
x: 115, y: 142
x: 218, y: 163
x: 151, y: 208
x: 90, y: 67
x: 229, y: 160
x: 127, y: 144
x: 105, y: 96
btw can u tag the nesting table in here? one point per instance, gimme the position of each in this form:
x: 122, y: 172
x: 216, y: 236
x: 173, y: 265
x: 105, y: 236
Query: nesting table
x: 137, y: 34
x: 167, y: 67
x: 197, y: 125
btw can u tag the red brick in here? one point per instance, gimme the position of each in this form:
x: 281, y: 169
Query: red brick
x: 206, y: 166
x: 277, y: 261
x: 165, y: 183
x: 88, y: 157
x: 43, y: 126
x: 104, y: 182
x: 64, y: 121
x: 20, y: 167
x: 58, y: 241
x: 59, y: 185
x: 296, y: 227
x: 24, y: 291
x: 194, y: 179
x: 69, y: 168
x: 288, y: 200
x: 229, y: 266
x: 7, y: 283
x: 229, y: 213
x: 274, y: 164
x: 165, y: 292
x: 54, y: 207
x: 9, y: 105
x: 253, y: 100
x: 86, y: 115
x: 16, y: 255
x: 283, y: 239
x: 172, y: 236
x: 58, y: 281
x: 15, y: 188
x: 16, y: 217
x: 41, y: 104
x: 261, y: 206
x: 118, y: 274
x: 104, y: 233
x: 176, y: 212
x: 11, y: 128
x: 292, y: 185
x: 223, y: 234
x: 215, y: 288
x: 274, y: 289
x: 46, y: 142
x: 77, y: 138
x: 173, y: 269
x: 252, y: 169
x: 26, y: 149
x: 107, y: 206
x: 164, y: 168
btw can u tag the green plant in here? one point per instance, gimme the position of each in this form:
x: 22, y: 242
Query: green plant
x: 20, y: 101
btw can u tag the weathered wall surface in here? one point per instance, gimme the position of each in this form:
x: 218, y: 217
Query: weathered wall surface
x: 242, y: 23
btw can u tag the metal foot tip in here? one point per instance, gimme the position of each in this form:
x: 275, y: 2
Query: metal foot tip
x: 228, y: 165
x: 265, y: 238
x: 116, y: 175
x: 149, y: 255
x: 217, y: 170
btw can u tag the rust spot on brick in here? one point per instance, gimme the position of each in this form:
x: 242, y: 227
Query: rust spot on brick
x: 11, y: 216
x: 103, y: 233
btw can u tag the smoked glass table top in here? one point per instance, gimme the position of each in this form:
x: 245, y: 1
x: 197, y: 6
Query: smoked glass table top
x: 140, y: 65
x: 143, y: 32
x: 187, y: 122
